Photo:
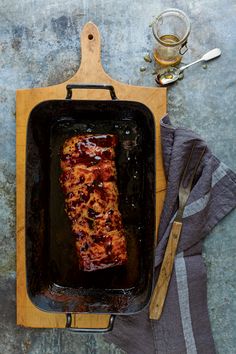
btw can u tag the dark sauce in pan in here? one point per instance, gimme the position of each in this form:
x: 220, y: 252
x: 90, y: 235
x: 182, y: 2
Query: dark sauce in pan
x: 63, y: 265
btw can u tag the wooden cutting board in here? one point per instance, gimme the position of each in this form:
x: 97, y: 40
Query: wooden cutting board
x: 90, y: 71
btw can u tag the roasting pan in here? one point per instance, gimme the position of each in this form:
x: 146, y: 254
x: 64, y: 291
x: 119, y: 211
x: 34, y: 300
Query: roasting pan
x: 54, y: 282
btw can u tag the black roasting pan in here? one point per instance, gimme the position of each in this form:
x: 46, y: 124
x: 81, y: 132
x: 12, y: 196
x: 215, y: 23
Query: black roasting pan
x: 54, y: 282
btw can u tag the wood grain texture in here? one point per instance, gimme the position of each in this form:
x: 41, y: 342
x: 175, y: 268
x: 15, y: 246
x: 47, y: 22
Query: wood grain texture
x: 161, y: 288
x: 90, y: 71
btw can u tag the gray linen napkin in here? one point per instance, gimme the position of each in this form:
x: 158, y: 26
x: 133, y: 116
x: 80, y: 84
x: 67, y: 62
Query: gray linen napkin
x: 184, y: 326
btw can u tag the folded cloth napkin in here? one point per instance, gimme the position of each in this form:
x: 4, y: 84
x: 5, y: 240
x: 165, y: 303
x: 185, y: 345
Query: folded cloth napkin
x: 184, y: 326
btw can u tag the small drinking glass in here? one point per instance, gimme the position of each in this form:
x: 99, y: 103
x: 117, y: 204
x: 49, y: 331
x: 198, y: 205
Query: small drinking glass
x: 171, y: 30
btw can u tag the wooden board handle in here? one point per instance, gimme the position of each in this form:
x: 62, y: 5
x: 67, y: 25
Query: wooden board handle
x: 161, y: 288
x: 90, y: 51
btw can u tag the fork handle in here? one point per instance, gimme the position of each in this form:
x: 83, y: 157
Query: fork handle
x: 161, y: 288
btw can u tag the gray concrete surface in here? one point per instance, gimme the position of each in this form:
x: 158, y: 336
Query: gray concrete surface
x: 39, y: 46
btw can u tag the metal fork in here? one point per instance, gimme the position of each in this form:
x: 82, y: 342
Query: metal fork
x: 161, y: 288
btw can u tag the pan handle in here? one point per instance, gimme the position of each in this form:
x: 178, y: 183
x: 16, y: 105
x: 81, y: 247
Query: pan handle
x: 89, y: 330
x: 71, y: 87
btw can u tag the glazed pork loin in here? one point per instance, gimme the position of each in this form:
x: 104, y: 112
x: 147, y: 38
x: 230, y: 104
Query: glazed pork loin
x: 88, y: 180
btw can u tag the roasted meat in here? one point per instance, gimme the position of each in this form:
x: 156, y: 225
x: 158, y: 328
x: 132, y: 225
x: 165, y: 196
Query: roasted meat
x: 88, y: 181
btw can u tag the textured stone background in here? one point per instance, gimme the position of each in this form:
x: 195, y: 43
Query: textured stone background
x: 40, y: 46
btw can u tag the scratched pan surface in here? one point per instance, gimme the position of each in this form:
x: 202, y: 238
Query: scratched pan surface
x: 54, y: 281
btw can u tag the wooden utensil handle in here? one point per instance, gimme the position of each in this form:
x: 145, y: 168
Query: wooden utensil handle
x: 161, y: 288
